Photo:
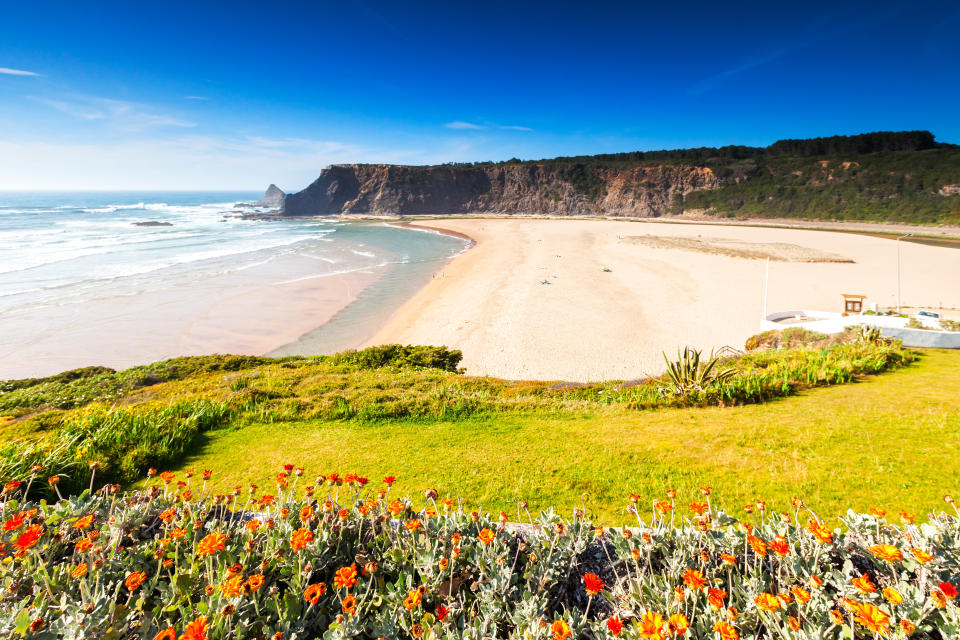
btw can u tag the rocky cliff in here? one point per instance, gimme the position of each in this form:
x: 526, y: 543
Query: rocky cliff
x: 522, y: 188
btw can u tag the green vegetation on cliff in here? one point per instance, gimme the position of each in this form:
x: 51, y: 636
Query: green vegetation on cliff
x: 879, y: 177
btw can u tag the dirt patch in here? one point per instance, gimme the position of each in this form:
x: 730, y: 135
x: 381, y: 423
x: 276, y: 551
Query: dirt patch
x: 779, y: 251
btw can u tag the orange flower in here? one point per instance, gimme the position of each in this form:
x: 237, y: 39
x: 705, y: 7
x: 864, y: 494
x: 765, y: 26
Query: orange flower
x: 922, y: 556
x: 396, y: 507
x: 134, y: 580
x: 345, y: 577
x: 233, y: 587
x: 167, y: 634
x: 767, y: 602
x: 412, y: 600
x: 560, y: 630
x: 84, y: 522
x: 444, y: 563
x: 863, y: 584
x: 698, y: 507
x: 716, y: 597
x: 83, y: 544
x: 678, y: 624
x: 312, y: 593
x: 306, y: 511
x: 79, y: 571
x: 726, y: 630
x: 663, y: 506
x: 486, y: 536
x: 693, y: 579
x: 592, y: 584
x: 213, y: 543
x: 801, y: 594
x: 252, y: 525
x: 300, y: 538
x: 886, y: 552
x: 873, y: 618
x: 948, y: 590
x: 836, y: 617
x: 29, y: 538
x: 939, y: 600
x: 820, y: 532
x: 728, y: 559
x: 780, y: 546
x: 907, y: 626
x: 650, y: 626
x: 255, y: 581
x: 414, y: 524
x: 758, y: 545
x: 349, y: 605
x: 892, y: 595
x: 196, y: 630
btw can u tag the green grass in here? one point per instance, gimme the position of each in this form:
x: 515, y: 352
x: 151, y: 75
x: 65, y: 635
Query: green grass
x: 889, y: 441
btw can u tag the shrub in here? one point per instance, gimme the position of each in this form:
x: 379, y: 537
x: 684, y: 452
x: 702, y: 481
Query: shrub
x: 331, y: 558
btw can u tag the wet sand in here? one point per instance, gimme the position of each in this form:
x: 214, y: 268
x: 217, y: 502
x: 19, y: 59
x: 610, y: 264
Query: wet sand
x: 249, y: 312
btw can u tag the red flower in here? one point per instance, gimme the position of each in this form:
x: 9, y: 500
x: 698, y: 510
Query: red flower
x: 389, y: 480
x: 592, y: 584
x: 615, y: 625
x: 31, y: 536
x: 948, y: 590
x: 442, y: 612
x: 14, y: 523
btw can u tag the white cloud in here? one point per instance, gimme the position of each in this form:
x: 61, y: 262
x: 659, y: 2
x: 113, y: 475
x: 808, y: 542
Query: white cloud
x: 515, y: 128
x: 17, y: 72
x: 195, y: 98
x: 121, y: 114
x: 460, y: 124
x: 193, y: 162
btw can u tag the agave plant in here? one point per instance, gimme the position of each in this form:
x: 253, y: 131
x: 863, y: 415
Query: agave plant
x: 690, y: 372
x: 870, y: 334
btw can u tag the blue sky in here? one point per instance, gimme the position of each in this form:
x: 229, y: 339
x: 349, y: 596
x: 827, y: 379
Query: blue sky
x: 235, y: 95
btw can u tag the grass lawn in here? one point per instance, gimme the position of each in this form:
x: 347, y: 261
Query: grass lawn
x: 889, y: 441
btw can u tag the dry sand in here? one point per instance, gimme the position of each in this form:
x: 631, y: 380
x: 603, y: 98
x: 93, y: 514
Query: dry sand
x: 588, y: 324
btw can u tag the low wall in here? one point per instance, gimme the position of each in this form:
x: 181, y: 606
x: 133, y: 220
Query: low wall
x: 921, y: 338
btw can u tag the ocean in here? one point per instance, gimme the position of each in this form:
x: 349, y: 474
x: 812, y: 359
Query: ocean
x: 86, y: 257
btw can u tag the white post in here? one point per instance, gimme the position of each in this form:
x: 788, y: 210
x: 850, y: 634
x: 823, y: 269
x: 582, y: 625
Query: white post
x: 766, y: 288
x: 906, y: 235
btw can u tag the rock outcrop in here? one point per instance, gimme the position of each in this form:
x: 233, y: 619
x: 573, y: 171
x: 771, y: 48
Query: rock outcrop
x: 555, y: 189
x: 272, y: 199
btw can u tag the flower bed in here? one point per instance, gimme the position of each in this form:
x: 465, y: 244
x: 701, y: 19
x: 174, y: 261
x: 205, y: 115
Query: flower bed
x: 336, y: 558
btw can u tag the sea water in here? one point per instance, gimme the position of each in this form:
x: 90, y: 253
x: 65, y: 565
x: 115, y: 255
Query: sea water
x: 60, y: 250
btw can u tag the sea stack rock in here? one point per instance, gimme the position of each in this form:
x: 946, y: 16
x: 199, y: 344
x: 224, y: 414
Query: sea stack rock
x: 272, y: 199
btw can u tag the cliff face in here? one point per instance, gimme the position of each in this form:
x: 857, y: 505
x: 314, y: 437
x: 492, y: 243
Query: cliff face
x: 504, y: 189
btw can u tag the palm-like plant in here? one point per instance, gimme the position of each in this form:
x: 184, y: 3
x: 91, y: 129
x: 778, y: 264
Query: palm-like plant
x: 690, y: 372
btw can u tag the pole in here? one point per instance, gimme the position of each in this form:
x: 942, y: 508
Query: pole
x: 766, y: 289
x: 906, y: 235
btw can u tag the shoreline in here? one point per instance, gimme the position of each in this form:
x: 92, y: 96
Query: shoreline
x: 531, y: 299
x: 218, y: 316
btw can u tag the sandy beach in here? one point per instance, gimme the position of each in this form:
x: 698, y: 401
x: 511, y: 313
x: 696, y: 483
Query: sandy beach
x: 531, y: 300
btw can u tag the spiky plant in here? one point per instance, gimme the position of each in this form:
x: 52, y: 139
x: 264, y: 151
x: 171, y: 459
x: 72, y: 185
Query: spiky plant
x: 690, y: 372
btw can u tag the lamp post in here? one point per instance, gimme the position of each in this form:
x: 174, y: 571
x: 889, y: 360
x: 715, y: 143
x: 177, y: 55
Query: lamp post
x: 906, y: 235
